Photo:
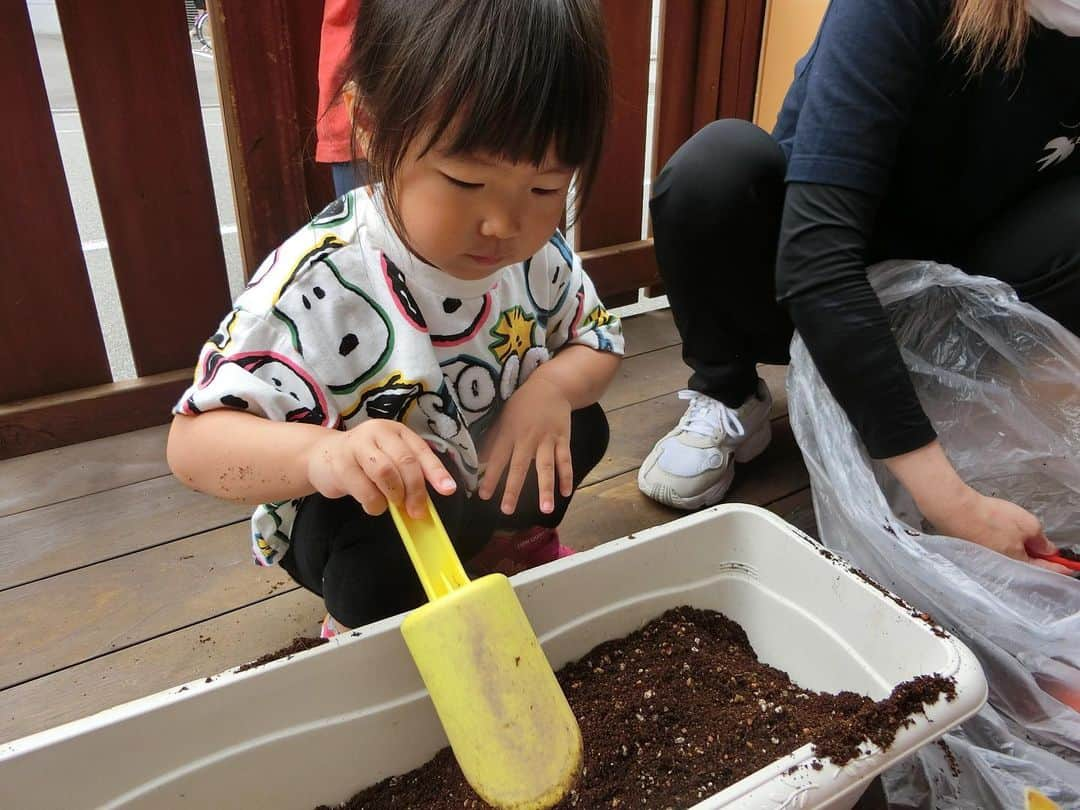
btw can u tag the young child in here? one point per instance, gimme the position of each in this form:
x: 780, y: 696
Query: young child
x: 431, y: 331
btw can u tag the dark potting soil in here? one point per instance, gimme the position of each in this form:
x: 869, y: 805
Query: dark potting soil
x: 676, y: 712
x: 298, y: 645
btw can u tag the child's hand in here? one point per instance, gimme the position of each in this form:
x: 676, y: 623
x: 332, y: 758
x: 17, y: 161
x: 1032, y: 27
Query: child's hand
x: 376, y: 462
x: 534, y: 427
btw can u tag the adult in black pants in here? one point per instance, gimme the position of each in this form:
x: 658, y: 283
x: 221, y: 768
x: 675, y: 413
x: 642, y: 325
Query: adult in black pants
x: 358, y: 564
x: 929, y: 129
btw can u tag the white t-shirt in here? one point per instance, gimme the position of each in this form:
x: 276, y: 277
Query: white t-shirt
x: 342, y: 324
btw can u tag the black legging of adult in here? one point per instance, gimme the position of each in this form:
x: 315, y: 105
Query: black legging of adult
x: 721, y: 213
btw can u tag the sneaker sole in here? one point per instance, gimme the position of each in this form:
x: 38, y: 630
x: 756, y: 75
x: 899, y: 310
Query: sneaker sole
x: 754, y: 445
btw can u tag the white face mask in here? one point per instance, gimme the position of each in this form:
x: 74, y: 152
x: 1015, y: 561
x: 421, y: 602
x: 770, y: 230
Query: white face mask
x: 1061, y: 15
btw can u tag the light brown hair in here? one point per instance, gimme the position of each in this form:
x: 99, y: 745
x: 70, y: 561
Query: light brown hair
x: 989, y: 31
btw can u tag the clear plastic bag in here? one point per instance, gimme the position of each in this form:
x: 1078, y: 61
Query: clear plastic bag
x: 1001, y: 383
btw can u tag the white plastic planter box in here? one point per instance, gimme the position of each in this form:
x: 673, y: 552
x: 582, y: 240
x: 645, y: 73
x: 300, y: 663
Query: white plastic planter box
x: 321, y: 726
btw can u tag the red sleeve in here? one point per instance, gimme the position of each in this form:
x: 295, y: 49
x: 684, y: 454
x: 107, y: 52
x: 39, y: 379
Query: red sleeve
x: 332, y: 125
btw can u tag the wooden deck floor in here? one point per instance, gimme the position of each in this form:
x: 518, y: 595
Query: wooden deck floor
x: 117, y: 582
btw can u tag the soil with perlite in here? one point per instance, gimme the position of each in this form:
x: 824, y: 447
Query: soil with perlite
x: 676, y: 712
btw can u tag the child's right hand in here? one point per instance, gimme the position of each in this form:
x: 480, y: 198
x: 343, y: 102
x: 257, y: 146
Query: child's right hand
x: 377, y: 462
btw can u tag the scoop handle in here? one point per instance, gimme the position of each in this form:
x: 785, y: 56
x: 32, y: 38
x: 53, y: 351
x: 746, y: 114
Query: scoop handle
x: 432, y: 554
x: 1072, y: 565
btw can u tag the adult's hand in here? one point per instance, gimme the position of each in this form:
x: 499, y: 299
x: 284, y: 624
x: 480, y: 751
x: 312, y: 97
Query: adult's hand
x: 997, y: 524
x: 959, y: 511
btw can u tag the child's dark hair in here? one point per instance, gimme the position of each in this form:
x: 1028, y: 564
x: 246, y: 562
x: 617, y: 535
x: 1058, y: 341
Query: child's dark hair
x: 506, y: 77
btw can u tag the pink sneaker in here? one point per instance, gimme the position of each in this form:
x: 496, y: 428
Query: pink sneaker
x: 510, y: 552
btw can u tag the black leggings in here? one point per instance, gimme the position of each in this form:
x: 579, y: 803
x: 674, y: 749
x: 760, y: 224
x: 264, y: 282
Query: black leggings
x: 716, y: 211
x: 358, y: 563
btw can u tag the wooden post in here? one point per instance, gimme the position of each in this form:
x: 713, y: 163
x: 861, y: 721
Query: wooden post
x: 138, y: 100
x: 267, y: 55
x: 48, y: 322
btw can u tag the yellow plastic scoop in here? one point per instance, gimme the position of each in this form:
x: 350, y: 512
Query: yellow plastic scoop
x: 507, y: 720
x: 1034, y: 800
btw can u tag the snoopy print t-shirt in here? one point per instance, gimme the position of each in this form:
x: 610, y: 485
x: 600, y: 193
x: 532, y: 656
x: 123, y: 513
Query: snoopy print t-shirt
x: 342, y: 324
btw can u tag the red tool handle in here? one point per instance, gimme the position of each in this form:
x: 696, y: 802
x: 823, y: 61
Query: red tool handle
x: 1072, y: 565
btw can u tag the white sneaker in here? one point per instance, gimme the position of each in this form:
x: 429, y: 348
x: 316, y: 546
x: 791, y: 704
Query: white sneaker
x: 693, y: 465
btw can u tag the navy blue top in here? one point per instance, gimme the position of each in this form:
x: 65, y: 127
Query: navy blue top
x: 895, y: 151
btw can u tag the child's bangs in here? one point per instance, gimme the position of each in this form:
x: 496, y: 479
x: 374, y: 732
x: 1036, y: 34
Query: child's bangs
x: 519, y: 126
x: 539, y: 87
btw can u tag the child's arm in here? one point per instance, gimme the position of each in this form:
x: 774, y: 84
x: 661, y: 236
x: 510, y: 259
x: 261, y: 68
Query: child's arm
x: 582, y: 374
x: 242, y: 457
x: 250, y: 459
x: 534, y: 426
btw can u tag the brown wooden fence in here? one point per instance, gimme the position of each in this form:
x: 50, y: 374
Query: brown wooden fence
x: 135, y: 83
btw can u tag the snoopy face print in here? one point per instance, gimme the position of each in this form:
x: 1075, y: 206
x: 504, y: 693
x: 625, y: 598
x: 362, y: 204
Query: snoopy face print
x: 301, y: 398
x: 327, y: 245
x: 389, y: 400
x: 548, y: 283
x: 443, y: 422
x: 295, y: 396
x: 447, y: 321
x: 335, y: 326
x: 475, y: 385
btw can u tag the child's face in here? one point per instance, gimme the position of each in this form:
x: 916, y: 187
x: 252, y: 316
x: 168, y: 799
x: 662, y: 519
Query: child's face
x: 469, y: 215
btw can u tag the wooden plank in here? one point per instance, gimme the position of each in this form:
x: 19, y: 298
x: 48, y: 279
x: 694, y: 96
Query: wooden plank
x: 649, y: 331
x: 193, y: 653
x: 615, y: 508
x: 67, y: 619
x: 138, y: 101
x: 742, y: 51
x: 613, y: 213
x: 798, y: 510
x: 219, y: 643
x: 776, y: 378
x: 51, y: 539
x: 81, y: 469
x: 70, y: 472
x: 258, y: 102
x: 241, y: 634
x: 634, y: 430
x: 646, y: 376
x: 677, y: 63
x: 82, y: 531
x: 653, y: 374
x: 305, y: 37
x: 621, y: 268
x: 711, y: 31
x: 46, y: 286
x: 55, y: 420
x: 196, y: 652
